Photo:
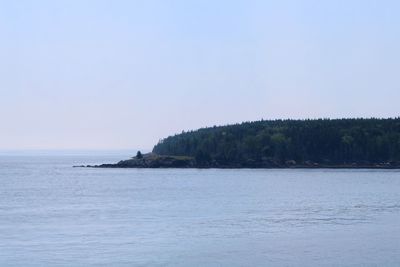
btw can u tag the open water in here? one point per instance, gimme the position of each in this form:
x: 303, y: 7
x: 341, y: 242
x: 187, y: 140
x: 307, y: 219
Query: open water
x: 54, y: 215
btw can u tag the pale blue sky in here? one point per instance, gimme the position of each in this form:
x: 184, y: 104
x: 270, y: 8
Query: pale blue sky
x: 122, y: 74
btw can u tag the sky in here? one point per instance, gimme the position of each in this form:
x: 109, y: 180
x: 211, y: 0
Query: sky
x: 121, y: 74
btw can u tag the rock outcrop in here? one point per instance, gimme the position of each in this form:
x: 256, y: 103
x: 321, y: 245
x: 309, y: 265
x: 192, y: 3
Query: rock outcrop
x: 152, y: 160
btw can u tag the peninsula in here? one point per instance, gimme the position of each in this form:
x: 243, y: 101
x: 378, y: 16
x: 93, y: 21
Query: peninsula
x: 320, y: 143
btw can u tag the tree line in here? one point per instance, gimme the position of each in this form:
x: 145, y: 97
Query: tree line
x: 324, y: 141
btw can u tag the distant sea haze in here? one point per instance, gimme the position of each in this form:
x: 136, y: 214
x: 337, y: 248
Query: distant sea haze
x: 72, y: 152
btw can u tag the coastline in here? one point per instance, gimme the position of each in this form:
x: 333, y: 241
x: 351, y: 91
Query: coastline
x: 154, y: 161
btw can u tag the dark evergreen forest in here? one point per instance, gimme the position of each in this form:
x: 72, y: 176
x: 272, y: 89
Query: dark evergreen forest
x: 269, y: 142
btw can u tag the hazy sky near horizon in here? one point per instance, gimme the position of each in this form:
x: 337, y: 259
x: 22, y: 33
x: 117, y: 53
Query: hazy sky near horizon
x: 93, y: 74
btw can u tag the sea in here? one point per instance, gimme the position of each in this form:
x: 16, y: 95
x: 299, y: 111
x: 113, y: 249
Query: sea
x: 52, y: 214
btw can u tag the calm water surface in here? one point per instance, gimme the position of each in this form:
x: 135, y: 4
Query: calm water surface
x: 54, y: 215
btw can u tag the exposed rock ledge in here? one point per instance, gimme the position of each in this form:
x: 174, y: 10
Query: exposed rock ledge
x: 152, y: 160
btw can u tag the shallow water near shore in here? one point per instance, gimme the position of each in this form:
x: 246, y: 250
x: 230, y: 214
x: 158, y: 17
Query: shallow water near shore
x: 54, y: 215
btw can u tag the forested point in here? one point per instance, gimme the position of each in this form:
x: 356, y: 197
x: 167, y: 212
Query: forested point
x: 274, y: 143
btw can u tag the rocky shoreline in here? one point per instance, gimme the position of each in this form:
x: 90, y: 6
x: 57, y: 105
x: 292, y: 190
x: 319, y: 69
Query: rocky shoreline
x: 152, y: 160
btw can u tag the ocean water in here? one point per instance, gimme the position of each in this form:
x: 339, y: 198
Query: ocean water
x: 54, y: 215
